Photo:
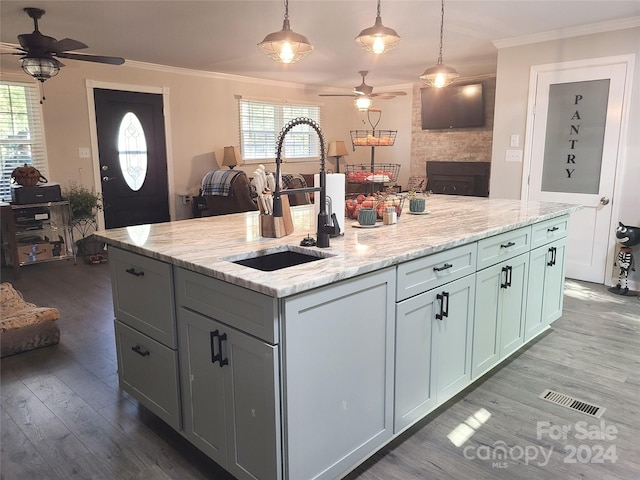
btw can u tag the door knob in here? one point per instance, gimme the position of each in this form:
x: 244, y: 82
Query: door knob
x: 604, y: 201
x: 106, y: 179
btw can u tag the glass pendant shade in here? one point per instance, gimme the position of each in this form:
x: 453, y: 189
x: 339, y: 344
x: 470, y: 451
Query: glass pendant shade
x: 40, y: 68
x: 439, y: 75
x: 286, y: 46
x: 363, y: 103
x: 378, y: 39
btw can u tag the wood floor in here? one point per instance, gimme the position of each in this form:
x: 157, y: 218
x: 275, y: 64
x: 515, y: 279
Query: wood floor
x: 64, y: 417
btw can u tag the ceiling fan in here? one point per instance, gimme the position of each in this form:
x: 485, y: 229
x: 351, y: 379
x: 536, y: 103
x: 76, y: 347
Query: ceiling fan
x: 40, y: 53
x: 364, y: 90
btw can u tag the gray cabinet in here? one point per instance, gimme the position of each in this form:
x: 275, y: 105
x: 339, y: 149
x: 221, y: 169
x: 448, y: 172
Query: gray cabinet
x: 231, y: 399
x: 500, y: 302
x: 546, y: 287
x: 338, y: 355
x: 145, y: 332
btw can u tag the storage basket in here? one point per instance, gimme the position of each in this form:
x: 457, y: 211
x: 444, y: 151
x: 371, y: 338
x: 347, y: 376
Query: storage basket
x: 382, y: 199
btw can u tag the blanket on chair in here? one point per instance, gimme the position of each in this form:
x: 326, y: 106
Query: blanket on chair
x: 218, y: 182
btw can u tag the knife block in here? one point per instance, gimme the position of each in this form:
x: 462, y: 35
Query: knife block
x: 276, y: 227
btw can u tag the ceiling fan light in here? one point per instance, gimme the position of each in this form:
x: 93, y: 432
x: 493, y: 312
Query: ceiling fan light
x: 439, y: 75
x: 286, y: 46
x: 378, y: 39
x: 41, y: 69
x: 363, y: 103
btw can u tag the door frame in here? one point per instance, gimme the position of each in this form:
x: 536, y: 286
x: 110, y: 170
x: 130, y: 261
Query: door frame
x: 622, y: 152
x: 93, y: 130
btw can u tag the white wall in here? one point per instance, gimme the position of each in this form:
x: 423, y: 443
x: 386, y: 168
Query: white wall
x: 513, y: 71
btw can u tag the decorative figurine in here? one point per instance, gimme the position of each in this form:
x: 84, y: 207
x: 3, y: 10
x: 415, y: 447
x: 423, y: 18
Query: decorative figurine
x: 627, y: 237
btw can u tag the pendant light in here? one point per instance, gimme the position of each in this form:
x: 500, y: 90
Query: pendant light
x: 378, y: 39
x: 440, y: 75
x: 286, y: 46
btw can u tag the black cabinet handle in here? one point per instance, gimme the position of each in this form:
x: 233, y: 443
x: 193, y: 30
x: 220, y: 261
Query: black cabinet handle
x: 552, y: 261
x: 507, y: 245
x: 444, y: 267
x: 217, y: 357
x: 444, y: 311
x: 138, y: 350
x: 132, y: 271
x: 553, y: 229
x: 508, y: 271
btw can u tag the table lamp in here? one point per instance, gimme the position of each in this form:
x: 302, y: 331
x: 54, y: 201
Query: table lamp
x: 231, y: 157
x: 337, y: 149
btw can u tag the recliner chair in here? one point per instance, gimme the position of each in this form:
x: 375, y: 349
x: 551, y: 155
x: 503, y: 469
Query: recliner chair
x: 232, y: 198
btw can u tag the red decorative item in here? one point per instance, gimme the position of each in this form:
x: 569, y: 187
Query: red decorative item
x: 27, y: 176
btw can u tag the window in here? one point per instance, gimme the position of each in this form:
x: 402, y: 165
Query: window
x: 21, y: 132
x: 261, y: 122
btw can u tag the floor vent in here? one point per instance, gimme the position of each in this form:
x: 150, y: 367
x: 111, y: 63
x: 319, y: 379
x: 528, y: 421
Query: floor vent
x: 572, y: 403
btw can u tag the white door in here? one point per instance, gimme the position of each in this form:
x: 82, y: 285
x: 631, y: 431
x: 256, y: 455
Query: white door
x: 574, y: 152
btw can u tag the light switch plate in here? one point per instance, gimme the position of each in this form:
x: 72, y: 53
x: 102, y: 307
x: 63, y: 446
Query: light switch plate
x: 515, y: 141
x: 513, y: 156
x: 84, y: 152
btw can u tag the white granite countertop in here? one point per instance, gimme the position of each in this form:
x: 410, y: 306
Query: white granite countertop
x: 206, y: 244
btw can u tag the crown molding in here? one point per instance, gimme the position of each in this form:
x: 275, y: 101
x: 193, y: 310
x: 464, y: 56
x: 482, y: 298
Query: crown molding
x: 589, y: 29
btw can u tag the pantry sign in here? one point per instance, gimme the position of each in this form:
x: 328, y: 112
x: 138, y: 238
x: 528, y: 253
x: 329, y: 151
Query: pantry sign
x: 576, y: 121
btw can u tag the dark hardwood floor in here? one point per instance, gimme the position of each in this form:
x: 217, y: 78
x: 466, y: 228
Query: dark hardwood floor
x: 63, y: 416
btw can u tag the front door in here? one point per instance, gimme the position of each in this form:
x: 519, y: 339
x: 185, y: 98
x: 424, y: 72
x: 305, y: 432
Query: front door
x: 133, y: 158
x: 574, y: 154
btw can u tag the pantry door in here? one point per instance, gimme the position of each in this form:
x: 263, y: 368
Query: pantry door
x: 132, y: 156
x: 577, y: 123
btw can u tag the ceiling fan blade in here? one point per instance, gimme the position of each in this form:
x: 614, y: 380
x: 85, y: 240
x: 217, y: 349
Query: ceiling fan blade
x: 67, y: 44
x: 336, y: 95
x: 36, y: 41
x: 91, y: 58
x: 388, y: 94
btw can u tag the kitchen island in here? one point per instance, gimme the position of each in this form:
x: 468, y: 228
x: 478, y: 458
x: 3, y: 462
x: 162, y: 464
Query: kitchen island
x: 306, y: 371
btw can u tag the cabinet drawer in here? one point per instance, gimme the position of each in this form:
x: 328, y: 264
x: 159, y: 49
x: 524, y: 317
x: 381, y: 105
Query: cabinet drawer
x: 143, y: 295
x: 418, y: 276
x: 148, y: 371
x: 500, y: 247
x: 549, y: 230
x: 246, y: 310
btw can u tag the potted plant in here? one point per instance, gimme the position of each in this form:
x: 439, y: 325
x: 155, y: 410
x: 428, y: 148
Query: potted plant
x: 416, y: 201
x: 83, y: 202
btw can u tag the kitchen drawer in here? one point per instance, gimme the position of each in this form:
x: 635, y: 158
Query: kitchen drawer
x: 148, y: 371
x: 418, y: 276
x: 549, y: 230
x: 243, y: 309
x: 500, y: 247
x: 143, y: 295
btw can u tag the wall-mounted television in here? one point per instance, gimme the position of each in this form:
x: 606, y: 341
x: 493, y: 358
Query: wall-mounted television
x: 454, y: 106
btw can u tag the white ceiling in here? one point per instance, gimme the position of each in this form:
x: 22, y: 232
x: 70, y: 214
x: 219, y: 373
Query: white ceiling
x: 221, y: 36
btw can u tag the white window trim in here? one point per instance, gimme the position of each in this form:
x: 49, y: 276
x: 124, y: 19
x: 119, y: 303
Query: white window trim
x: 270, y: 159
x: 36, y: 121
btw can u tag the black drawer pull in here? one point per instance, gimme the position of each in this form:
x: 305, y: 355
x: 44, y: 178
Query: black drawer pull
x: 553, y: 229
x: 138, y: 350
x: 444, y: 267
x: 444, y: 311
x: 510, y: 244
x: 132, y: 271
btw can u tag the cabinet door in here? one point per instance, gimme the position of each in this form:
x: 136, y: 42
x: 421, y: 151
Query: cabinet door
x: 452, y: 336
x: 338, y: 355
x: 231, y: 392
x: 546, y: 287
x: 486, y: 333
x: 513, y: 304
x: 414, y: 387
x: 204, y: 415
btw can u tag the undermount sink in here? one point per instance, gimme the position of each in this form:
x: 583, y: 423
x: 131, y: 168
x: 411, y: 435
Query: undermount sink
x: 271, y: 260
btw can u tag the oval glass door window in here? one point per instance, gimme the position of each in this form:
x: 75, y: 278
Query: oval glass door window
x: 132, y: 151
